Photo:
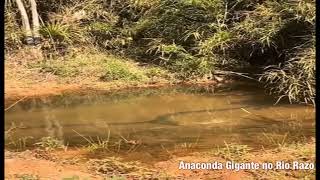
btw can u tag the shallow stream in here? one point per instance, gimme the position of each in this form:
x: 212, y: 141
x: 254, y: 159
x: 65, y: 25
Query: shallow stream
x: 162, y: 120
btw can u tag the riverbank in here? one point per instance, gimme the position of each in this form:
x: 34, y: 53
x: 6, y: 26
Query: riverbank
x: 75, y: 164
x: 193, y: 39
x: 28, y: 75
x: 22, y: 80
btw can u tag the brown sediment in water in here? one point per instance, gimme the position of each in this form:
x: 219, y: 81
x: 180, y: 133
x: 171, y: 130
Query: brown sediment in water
x: 172, y: 117
x: 63, y: 164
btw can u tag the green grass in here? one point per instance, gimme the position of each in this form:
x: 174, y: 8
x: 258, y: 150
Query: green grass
x: 115, y: 69
x: 101, y: 67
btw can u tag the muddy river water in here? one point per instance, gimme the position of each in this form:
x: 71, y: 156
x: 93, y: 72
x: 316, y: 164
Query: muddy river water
x: 161, y: 119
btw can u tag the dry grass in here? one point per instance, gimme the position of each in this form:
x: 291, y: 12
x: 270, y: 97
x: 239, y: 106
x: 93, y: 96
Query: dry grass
x: 296, y: 79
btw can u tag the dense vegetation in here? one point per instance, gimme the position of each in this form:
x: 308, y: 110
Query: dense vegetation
x: 272, y: 41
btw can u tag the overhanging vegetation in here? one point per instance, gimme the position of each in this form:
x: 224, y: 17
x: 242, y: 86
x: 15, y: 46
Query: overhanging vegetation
x: 190, y: 38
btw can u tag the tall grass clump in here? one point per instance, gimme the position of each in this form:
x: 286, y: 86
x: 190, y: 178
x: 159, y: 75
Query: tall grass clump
x: 295, y: 80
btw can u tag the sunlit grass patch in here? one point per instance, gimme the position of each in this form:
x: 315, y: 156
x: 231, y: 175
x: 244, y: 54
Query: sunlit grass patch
x: 100, y: 67
x: 220, y: 40
x: 75, y: 66
x: 116, y: 69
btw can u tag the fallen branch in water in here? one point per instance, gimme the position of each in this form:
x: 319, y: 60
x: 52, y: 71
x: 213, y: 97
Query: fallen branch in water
x: 15, y: 103
x: 235, y: 73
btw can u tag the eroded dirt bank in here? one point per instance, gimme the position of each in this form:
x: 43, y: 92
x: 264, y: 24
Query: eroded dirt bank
x: 62, y: 165
x: 75, y: 163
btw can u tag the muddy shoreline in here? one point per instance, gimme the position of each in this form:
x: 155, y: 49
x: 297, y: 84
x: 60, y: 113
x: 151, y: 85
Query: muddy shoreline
x: 16, y: 94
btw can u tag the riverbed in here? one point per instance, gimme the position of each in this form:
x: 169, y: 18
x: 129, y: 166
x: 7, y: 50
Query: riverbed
x: 150, y: 124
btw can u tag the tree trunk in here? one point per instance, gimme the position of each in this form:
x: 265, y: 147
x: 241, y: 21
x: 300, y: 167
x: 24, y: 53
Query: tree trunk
x: 35, y: 21
x: 25, y: 22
